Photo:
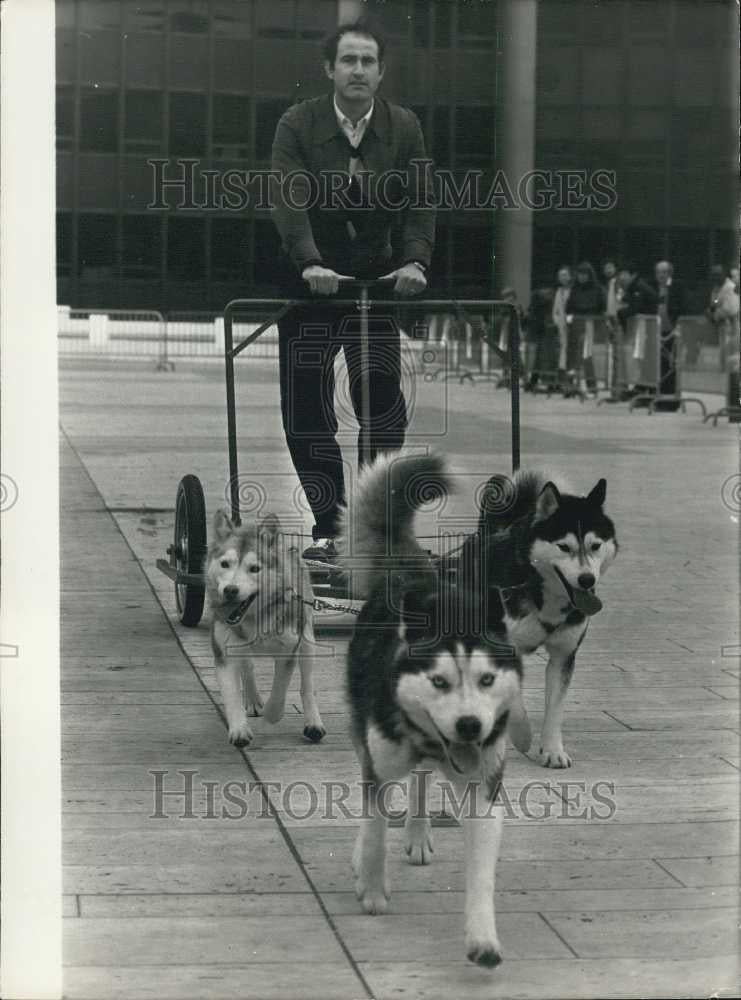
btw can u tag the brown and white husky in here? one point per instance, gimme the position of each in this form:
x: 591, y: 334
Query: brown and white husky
x: 261, y: 601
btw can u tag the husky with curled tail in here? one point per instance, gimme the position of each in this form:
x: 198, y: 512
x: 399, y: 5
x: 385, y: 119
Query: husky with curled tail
x: 427, y: 689
x: 536, y: 559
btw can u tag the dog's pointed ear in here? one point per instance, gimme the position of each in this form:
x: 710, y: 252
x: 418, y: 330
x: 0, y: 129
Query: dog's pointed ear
x: 269, y: 529
x: 223, y: 526
x: 597, y: 497
x: 547, y: 502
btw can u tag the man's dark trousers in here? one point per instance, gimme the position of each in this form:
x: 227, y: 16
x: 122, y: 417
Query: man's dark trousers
x: 310, y: 337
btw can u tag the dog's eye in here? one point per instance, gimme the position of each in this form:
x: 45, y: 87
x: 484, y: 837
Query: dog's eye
x: 564, y: 548
x: 225, y: 564
x: 254, y: 568
x: 440, y: 683
x: 595, y: 546
x: 486, y: 680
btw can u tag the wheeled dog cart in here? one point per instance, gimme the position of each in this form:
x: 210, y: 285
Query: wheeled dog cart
x: 186, y: 555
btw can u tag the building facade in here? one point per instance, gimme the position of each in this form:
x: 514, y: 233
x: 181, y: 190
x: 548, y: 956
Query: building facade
x: 643, y: 89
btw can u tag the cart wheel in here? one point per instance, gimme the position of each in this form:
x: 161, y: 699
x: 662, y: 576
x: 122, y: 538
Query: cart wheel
x: 190, y: 547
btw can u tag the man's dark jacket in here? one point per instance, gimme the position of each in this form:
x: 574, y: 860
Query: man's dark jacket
x: 309, y: 139
x: 638, y: 297
x: 676, y: 300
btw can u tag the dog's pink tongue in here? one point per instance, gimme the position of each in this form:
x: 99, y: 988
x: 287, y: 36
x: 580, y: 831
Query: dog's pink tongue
x: 466, y: 757
x: 588, y: 604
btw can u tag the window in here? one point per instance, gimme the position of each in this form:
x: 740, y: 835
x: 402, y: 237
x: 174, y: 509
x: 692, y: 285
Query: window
x: 691, y: 140
x: 64, y: 244
x: 645, y: 246
x: 648, y: 76
x: 230, y: 249
x: 233, y: 18
x: 421, y: 23
x: 472, y: 253
x: 268, y: 115
x: 556, y: 74
x: 231, y: 126
x: 96, y: 247
x: 186, y: 251
x: 443, y: 15
x: 648, y: 19
x: 142, y: 247
x: 267, y: 252
x: 689, y: 251
x: 601, y: 70
x: 476, y: 23
x: 188, y: 124
x: 694, y: 76
x: 144, y: 15
x: 276, y: 18
x: 316, y: 20
x: 98, y: 121
x: 601, y: 22
x: 232, y: 65
x: 96, y: 15
x: 100, y: 57
x: 696, y: 24
x: 474, y: 136
x: 143, y: 123
x: 594, y: 244
x: 440, y: 145
x: 189, y: 16
x: 65, y: 117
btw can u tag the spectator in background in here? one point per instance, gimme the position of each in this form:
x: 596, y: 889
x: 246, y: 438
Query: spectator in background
x: 586, y: 298
x: 723, y: 313
x: 558, y: 314
x: 613, y: 298
x: 503, y: 319
x: 542, y: 337
x: 638, y: 297
x: 670, y: 305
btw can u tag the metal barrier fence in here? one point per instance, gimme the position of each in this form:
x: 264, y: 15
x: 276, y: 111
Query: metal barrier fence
x: 450, y: 345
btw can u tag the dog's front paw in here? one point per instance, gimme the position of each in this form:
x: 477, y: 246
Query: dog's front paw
x: 255, y: 708
x: 419, y: 846
x: 314, y: 733
x: 240, y: 734
x: 373, y: 898
x: 485, y: 953
x: 554, y: 757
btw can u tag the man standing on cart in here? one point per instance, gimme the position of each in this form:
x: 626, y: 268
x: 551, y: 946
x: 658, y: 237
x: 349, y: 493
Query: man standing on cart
x: 354, y: 206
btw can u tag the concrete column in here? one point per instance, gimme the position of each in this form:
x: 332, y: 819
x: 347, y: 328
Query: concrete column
x: 516, y: 143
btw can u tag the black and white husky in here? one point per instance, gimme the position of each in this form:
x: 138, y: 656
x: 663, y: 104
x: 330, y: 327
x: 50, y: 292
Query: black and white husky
x: 426, y: 687
x: 535, y: 561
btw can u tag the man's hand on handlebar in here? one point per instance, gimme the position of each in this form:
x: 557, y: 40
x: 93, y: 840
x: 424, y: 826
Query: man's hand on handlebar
x: 323, y: 280
x: 409, y: 279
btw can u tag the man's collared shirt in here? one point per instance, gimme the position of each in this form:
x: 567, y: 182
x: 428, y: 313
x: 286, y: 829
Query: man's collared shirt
x: 354, y: 133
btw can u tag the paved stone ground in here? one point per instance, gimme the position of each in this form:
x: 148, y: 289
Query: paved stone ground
x: 637, y: 898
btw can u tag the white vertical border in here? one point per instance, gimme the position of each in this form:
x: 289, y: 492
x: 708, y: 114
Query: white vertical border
x: 30, y: 946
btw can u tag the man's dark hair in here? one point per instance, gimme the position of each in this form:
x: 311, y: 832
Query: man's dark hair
x: 363, y: 26
x: 630, y: 266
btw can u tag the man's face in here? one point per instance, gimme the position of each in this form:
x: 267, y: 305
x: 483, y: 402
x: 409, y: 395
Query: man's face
x: 357, y: 72
x: 564, y: 276
x: 663, y: 273
x: 609, y: 270
x: 625, y: 278
x: 734, y: 275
